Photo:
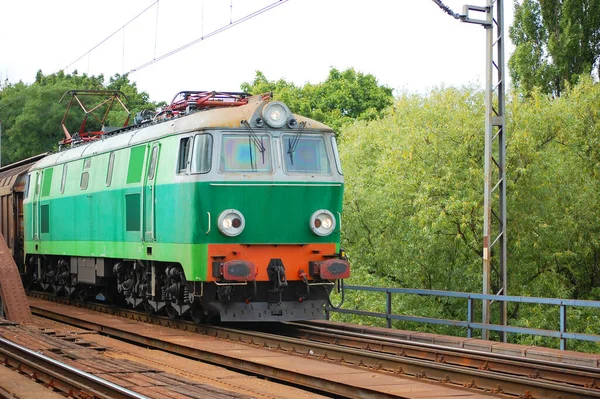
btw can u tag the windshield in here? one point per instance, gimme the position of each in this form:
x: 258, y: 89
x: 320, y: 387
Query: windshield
x: 245, y: 153
x: 305, y: 154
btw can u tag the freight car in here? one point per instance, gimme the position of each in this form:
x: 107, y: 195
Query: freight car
x: 12, y: 185
x: 220, y: 205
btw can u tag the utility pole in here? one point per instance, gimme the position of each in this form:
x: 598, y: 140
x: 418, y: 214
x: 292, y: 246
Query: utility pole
x: 494, y: 200
x: 494, y: 189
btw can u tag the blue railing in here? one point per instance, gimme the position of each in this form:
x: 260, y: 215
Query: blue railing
x: 562, y: 334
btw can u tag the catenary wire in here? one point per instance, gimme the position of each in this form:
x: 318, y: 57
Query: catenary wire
x: 114, y: 33
x: 213, y: 33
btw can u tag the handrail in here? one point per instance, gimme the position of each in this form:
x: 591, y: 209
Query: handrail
x: 469, y: 324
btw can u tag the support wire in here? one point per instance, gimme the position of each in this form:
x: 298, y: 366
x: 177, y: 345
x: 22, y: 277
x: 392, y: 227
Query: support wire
x: 447, y: 9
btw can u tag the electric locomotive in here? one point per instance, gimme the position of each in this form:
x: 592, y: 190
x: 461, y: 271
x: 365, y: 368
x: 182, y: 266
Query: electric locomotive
x: 221, y: 204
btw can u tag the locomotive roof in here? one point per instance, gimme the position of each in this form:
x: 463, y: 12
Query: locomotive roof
x: 212, y: 118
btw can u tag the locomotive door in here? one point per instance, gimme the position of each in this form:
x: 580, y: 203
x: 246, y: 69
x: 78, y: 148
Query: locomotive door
x: 35, y: 205
x: 150, y: 193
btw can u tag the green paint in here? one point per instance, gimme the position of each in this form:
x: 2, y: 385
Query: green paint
x: 47, y: 182
x: 136, y: 164
x: 274, y: 213
x: 109, y: 221
x: 193, y: 258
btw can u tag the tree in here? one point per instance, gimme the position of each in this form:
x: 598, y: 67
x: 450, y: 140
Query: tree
x: 413, y: 207
x: 343, y: 97
x: 31, y: 114
x: 556, y: 42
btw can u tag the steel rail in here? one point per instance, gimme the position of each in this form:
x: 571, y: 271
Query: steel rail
x: 60, y: 376
x: 576, y: 375
x: 434, y: 369
x: 222, y: 359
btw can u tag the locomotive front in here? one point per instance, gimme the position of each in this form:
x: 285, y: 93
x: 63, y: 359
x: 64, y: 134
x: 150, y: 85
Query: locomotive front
x: 271, y: 196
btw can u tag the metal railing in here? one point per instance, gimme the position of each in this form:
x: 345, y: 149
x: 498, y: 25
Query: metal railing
x: 562, y: 334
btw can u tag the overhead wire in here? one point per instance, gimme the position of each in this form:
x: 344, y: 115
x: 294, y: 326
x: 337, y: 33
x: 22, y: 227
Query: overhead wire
x: 213, y: 33
x: 114, y: 33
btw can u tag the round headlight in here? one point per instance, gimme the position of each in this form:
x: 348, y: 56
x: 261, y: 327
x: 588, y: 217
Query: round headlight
x: 275, y: 114
x: 322, y: 222
x: 231, y: 222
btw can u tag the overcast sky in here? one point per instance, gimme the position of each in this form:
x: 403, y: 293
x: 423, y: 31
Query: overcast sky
x: 407, y: 44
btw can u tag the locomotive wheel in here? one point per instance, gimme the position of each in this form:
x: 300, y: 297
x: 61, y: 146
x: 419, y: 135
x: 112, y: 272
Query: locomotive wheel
x: 52, y: 290
x: 81, y: 294
x: 171, y: 312
x: 197, y: 313
x: 149, y: 309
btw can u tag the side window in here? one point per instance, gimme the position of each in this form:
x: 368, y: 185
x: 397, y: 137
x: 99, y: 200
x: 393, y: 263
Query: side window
x: 85, y: 175
x: 63, y: 179
x: 183, y: 163
x: 26, y: 192
x: 152, y: 166
x: 201, y: 163
x: 83, y: 183
x: 38, y: 182
x: 109, y: 171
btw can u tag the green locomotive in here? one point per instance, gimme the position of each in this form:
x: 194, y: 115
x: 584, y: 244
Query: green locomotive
x: 221, y: 204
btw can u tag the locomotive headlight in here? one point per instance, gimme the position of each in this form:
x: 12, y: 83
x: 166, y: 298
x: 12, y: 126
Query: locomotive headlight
x: 275, y: 114
x: 231, y: 222
x: 322, y: 222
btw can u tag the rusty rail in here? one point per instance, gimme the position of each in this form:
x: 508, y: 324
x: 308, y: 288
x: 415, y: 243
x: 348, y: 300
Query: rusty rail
x: 448, y: 368
x: 517, y: 366
x: 57, y: 375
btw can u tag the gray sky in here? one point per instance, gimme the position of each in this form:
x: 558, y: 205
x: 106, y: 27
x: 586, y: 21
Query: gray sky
x: 407, y: 44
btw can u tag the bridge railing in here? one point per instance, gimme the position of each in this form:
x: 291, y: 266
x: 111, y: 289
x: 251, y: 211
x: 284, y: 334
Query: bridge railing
x: 562, y: 334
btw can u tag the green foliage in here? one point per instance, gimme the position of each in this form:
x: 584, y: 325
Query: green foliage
x: 342, y: 98
x: 556, y: 42
x: 413, y: 206
x: 31, y: 114
x: 554, y: 193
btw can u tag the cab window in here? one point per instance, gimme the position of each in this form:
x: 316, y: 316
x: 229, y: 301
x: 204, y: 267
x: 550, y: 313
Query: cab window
x: 245, y: 153
x: 305, y: 154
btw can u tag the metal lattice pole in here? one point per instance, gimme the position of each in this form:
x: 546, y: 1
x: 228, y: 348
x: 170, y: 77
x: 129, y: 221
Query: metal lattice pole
x: 494, y: 203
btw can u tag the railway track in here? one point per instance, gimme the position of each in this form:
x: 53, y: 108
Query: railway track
x: 480, y: 373
x: 59, y: 376
x: 538, y: 374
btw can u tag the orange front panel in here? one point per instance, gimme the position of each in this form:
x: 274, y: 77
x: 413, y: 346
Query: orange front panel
x: 294, y: 257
